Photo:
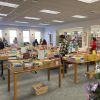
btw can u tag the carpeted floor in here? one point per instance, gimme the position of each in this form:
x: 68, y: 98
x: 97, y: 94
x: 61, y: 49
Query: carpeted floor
x: 68, y: 91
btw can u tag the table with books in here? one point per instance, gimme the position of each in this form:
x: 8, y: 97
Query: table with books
x: 74, y: 60
x: 21, y: 66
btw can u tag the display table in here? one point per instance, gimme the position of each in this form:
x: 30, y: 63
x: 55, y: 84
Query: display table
x: 15, y: 77
x: 75, y: 74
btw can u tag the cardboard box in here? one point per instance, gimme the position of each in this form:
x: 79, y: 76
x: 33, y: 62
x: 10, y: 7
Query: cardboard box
x: 39, y: 89
x: 98, y: 56
x: 38, y: 66
x: 98, y: 52
x: 92, y: 57
x: 3, y: 57
x: 57, y: 61
x: 29, y: 68
x: 72, y: 60
x: 76, y: 49
x: 89, y: 74
x: 70, y: 65
x: 46, y: 63
x: 64, y: 58
x: 15, y: 69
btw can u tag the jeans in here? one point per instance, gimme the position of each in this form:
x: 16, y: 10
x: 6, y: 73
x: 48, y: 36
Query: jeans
x: 65, y: 65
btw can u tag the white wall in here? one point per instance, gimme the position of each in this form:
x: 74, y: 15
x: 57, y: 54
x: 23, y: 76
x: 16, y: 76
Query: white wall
x: 72, y: 25
x: 5, y: 29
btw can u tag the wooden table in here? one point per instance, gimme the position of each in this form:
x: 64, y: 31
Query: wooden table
x: 15, y: 77
x: 75, y: 74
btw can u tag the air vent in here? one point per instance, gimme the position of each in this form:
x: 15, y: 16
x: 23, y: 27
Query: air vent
x: 94, y: 12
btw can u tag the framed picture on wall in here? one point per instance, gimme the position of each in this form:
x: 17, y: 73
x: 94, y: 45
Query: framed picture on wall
x: 19, y: 33
x: 5, y: 34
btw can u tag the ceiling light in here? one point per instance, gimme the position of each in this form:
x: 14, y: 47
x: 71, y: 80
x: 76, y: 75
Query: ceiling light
x: 14, y: 24
x: 58, y: 21
x: 79, y: 16
x: 1, y: 17
x: 3, y: 14
x: 49, y: 11
x: 20, y: 22
x: 35, y: 0
x: 32, y: 18
x: 92, y: 32
x: 33, y: 26
x: 8, y: 4
x: 88, y: 1
x: 43, y: 24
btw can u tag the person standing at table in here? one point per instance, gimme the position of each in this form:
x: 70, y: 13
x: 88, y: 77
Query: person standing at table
x: 15, y: 41
x: 44, y: 42
x: 5, y: 42
x: 35, y: 42
x: 71, y: 44
x: 63, y: 49
x: 1, y: 44
x: 93, y: 45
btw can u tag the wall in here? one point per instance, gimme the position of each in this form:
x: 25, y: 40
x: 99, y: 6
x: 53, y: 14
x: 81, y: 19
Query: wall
x: 72, y: 25
x: 5, y: 29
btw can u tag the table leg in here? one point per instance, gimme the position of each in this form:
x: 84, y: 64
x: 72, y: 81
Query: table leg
x: 95, y: 65
x: 59, y: 76
x: 63, y: 68
x: 2, y: 68
x: 87, y: 66
x: 8, y: 80
x: 15, y: 86
x: 75, y: 75
x: 48, y: 73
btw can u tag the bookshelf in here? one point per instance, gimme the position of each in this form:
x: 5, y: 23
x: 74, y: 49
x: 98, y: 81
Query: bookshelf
x: 79, y: 40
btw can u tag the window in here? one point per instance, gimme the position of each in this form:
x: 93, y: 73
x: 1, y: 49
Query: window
x: 0, y: 33
x: 26, y: 36
x: 37, y: 36
x: 13, y: 34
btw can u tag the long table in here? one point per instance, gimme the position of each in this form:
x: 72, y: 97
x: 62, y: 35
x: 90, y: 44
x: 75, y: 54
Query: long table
x: 15, y: 77
x: 75, y: 73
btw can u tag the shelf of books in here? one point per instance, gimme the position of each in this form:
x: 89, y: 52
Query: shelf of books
x: 79, y: 40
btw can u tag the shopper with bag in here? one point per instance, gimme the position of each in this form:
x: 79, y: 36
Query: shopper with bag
x: 63, y: 49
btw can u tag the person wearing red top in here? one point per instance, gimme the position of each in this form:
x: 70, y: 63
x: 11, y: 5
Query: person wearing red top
x: 44, y: 42
x: 93, y: 45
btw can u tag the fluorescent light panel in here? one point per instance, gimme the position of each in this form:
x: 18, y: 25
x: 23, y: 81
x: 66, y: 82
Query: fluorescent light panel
x: 58, y: 21
x: 8, y: 4
x: 33, y: 26
x: 32, y: 18
x: 79, y: 16
x: 88, y: 1
x: 1, y: 17
x: 43, y: 24
x: 14, y: 24
x: 49, y: 11
x: 20, y: 22
x: 3, y: 14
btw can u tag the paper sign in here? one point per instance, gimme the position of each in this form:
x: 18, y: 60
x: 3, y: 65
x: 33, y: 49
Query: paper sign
x: 41, y: 54
x: 23, y: 49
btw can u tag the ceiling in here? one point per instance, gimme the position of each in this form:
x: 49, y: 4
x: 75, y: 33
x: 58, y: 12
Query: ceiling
x: 70, y: 30
x: 67, y: 8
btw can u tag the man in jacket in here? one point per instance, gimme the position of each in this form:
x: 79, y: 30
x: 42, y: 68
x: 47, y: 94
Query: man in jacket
x: 64, y: 49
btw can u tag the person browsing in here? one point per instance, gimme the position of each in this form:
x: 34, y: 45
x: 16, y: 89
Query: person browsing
x: 63, y: 49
